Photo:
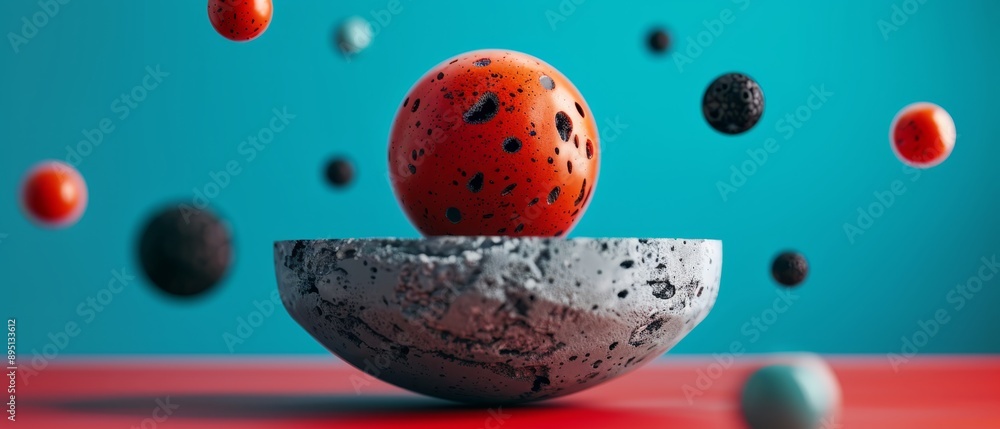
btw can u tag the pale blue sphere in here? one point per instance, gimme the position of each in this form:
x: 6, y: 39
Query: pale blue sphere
x: 354, y: 35
x: 801, y: 394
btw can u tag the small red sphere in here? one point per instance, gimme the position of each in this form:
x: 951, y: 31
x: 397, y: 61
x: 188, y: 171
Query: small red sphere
x: 922, y: 135
x: 54, y: 194
x: 240, y: 20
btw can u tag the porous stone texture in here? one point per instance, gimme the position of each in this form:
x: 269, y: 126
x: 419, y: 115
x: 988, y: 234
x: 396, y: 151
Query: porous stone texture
x: 498, y: 319
x: 185, y: 251
x: 733, y: 103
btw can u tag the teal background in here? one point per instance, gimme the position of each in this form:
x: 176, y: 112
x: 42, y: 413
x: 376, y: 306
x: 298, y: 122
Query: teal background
x: 659, y: 177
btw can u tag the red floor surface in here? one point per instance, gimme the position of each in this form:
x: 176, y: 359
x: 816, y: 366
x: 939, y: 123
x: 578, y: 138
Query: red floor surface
x: 930, y: 392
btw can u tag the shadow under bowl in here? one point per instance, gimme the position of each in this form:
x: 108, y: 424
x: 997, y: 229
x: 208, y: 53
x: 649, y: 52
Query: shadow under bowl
x: 498, y: 319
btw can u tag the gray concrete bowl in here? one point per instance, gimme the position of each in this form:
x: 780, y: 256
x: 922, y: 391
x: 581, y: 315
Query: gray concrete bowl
x: 498, y: 319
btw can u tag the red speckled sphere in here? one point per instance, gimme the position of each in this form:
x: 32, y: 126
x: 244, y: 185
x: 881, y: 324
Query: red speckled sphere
x: 54, y: 194
x: 922, y: 135
x: 240, y: 20
x: 494, y: 142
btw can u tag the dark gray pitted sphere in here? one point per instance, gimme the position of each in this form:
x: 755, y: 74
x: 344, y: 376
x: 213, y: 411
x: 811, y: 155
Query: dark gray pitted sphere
x: 790, y: 268
x: 733, y: 103
x: 185, y: 251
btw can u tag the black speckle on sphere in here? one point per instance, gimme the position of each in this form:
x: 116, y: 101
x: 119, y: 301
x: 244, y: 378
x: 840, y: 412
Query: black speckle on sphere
x: 511, y: 144
x: 339, y: 172
x: 733, y: 103
x: 790, y: 268
x: 453, y: 215
x: 564, y: 125
x: 185, y: 251
x: 476, y: 183
x: 659, y: 41
x: 484, y: 110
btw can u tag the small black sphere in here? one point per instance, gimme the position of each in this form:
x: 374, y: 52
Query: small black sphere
x: 659, y: 41
x: 790, y: 268
x: 339, y: 172
x: 733, y: 103
x: 185, y: 251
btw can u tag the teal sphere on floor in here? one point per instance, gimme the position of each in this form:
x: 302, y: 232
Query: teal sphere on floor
x: 803, y: 394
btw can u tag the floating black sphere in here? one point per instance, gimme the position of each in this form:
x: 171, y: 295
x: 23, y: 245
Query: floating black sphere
x: 339, y: 172
x: 659, y: 41
x: 185, y: 251
x: 733, y: 103
x: 790, y: 268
